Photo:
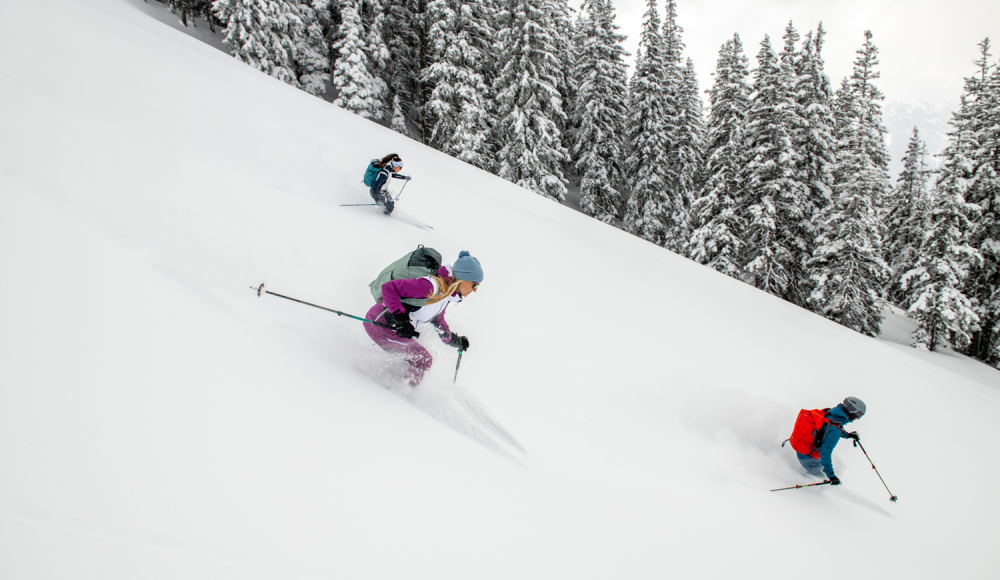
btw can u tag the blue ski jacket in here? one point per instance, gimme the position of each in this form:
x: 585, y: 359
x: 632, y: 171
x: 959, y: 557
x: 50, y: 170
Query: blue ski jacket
x: 831, y: 435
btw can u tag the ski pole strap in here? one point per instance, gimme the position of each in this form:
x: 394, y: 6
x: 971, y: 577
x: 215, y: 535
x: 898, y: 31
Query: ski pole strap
x: 337, y: 312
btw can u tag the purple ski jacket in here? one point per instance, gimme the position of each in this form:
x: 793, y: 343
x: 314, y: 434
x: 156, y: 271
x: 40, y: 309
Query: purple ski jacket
x: 394, y: 291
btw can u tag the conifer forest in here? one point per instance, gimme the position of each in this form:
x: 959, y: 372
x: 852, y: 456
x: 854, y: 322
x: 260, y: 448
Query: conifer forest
x: 773, y: 175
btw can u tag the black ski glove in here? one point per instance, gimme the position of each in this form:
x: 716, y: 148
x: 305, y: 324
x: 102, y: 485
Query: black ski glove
x: 459, y: 342
x: 854, y: 435
x: 401, y: 324
x: 834, y: 480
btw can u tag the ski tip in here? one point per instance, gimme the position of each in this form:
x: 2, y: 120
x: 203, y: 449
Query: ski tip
x: 259, y: 289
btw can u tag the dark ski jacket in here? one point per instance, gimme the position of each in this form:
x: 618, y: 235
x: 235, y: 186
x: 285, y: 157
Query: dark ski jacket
x: 831, y: 435
x: 383, y: 176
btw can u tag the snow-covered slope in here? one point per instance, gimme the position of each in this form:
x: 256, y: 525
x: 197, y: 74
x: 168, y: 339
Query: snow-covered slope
x: 159, y: 420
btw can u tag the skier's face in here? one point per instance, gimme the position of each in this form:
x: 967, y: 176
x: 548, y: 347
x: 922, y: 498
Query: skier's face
x: 465, y: 288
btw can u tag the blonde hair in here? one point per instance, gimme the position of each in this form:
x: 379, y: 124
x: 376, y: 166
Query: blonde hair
x: 445, y: 291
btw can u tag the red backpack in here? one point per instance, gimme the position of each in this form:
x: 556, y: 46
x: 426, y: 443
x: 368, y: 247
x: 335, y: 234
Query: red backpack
x: 807, y: 430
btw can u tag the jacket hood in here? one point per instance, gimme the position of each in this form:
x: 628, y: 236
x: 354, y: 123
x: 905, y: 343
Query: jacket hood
x: 839, y: 415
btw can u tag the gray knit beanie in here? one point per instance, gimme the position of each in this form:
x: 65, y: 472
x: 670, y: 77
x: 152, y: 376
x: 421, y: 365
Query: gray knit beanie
x: 467, y: 268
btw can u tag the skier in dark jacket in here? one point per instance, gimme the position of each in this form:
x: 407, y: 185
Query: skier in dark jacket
x: 391, y: 166
x: 831, y: 433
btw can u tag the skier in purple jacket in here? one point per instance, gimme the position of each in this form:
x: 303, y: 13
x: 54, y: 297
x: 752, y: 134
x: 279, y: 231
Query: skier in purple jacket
x: 451, y: 284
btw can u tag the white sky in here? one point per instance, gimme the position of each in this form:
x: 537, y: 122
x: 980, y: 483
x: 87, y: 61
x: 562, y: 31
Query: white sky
x: 925, y: 48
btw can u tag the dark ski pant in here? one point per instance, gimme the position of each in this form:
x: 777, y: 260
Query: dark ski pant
x: 417, y: 356
x: 383, y: 197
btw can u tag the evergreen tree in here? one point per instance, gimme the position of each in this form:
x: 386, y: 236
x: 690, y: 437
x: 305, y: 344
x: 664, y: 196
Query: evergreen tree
x: 867, y: 98
x: 907, y: 217
x: 360, y: 89
x: 398, y: 123
x: 191, y: 9
x: 774, y: 194
x: 600, y: 106
x: 651, y: 213
x: 261, y: 34
x: 684, y: 130
x: 530, y: 108
x: 815, y: 138
x: 943, y: 313
x: 458, y: 106
x: 817, y: 143
x: 981, y: 121
x: 312, y: 52
x: 847, y: 267
x: 717, y: 241
x: 403, y: 32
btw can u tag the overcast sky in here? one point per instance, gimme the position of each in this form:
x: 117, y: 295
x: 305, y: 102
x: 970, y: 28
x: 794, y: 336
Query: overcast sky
x: 925, y: 47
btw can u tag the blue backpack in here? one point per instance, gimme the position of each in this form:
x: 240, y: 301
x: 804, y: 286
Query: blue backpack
x: 371, y: 173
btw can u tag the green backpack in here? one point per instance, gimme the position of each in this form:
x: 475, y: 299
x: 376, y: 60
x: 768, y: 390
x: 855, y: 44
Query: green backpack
x: 416, y: 264
x: 371, y: 172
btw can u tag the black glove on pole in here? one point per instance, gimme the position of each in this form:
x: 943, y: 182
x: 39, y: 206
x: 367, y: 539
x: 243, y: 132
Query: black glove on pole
x: 401, y: 324
x: 459, y: 342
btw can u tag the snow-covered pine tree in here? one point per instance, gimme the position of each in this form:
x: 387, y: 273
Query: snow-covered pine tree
x: 982, y: 123
x: 815, y: 141
x: 562, y: 34
x: 815, y: 98
x: 868, y: 99
x: 312, y: 52
x: 717, y: 239
x: 908, y: 211
x: 651, y: 213
x: 685, y: 130
x: 188, y: 10
x: 773, y: 192
x: 690, y: 135
x: 261, y: 34
x: 847, y: 267
x: 600, y: 106
x: 529, y: 107
x: 360, y: 90
x: 457, y: 109
x: 403, y: 32
x: 943, y: 313
x: 398, y: 123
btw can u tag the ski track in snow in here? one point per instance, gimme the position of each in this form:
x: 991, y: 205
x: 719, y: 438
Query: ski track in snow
x: 448, y: 403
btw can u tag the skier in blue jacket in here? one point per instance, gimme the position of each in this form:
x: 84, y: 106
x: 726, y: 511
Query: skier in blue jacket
x: 831, y: 433
x: 391, y: 166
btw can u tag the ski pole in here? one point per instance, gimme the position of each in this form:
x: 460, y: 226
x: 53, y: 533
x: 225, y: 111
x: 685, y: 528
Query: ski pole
x: 455, y: 380
x: 400, y: 194
x: 892, y: 498
x: 356, y: 204
x: 337, y: 312
x: 801, y: 486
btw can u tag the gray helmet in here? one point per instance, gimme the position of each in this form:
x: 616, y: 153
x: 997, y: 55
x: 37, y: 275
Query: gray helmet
x: 855, y: 407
